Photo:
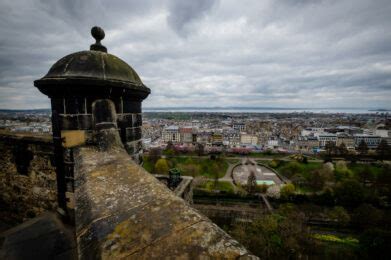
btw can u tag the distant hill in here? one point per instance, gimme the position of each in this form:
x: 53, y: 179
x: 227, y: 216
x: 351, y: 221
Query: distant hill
x: 41, y: 110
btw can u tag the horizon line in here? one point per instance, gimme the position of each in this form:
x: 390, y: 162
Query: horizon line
x: 226, y: 107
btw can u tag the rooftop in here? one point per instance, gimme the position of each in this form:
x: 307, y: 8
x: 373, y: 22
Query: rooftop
x: 91, y: 70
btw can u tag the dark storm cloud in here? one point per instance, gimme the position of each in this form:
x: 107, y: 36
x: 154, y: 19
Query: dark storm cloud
x: 210, y: 53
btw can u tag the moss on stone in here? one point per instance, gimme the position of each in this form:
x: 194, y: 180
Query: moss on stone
x: 127, y: 213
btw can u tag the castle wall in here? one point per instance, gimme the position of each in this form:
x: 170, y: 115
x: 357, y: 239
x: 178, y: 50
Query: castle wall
x: 27, y: 177
x: 122, y: 211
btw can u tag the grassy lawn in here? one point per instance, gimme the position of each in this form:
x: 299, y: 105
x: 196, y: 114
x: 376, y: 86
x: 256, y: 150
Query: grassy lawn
x: 355, y: 168
x: 147, y: 164
x: 301, y: 173
x: 335, y: 247
x: 350, y: 241
x: 304, y: 169
x: 309, y: 167
x: 194, y: 166
x: 221, y: 186
x: 304, y: 189
x: 201, y: 167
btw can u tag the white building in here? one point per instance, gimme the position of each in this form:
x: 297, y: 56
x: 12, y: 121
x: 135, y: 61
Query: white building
x: 324, y: 138
x: 372, y: 141
x: 171, y: 134
x: 246, y: 139
x: 312, y: 131
x: 239, y: 127
x: 272, y: 143
x: 346, y: 139
x: 384, y: 133
x: 196, y: 123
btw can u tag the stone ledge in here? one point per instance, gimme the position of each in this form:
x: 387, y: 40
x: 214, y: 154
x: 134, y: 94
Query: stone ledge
x: 122, y: 211
x: 27, y: 137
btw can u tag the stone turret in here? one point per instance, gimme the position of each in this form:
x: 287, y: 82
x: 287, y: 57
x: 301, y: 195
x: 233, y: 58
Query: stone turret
x: 73, y: 84
x: 119, y: 210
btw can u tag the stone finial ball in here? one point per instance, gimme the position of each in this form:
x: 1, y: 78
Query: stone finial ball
x: 97, y: 33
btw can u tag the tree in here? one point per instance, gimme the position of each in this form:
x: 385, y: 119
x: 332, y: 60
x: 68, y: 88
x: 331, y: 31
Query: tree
x: 328, y: 170
x: 161, y: 166
x: 366, y: 216
x: 190, y: 169
x: 170, y: 146
x: 362, y: 148
x: 282, y: 235
x: 215, y: 173
x: 340, y: 215
x: 342, y: 149
x: 170, y: 150
x: 383, y: 150
x: 349, y: 193
x: 341, y: 171
x: 384, y: 177
x: 251, y: 183
x: 317, y: 180
x: 330, y: 147
x: 291, y: 169
x: 326, y: 197
x: 154, y: 155
x: 319, y: 177
x: 200, y: 149
x: 273, y: 191
x: 299, y: 180
x: 170, y: 153
x: 327, y: 173
x: 375, y: 244
x: 365, y: 174
x: 199, y: 181
x: 305, y: 160
x: 287, y: 191
x: 275, y: 163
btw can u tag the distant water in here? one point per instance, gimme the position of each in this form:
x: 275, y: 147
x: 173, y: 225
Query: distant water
x: 267, y: 110
x: 236, y: 110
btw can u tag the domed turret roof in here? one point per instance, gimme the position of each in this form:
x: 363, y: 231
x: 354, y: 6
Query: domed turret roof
x: 94, y: 68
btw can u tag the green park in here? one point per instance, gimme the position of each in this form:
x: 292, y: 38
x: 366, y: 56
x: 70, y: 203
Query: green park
x: 331, y: 208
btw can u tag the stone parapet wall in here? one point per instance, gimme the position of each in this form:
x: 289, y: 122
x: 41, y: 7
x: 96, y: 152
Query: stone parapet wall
x: 27, y: 177
x: 123, y: 212
x: 185, y: 188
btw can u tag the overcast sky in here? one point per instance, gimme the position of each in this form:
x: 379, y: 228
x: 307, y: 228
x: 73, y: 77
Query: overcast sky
x: 270, y: 53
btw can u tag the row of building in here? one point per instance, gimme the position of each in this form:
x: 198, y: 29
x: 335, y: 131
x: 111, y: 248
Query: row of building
x: 310, y: 139
x: 313, y: 139
x: 227, y: 137
x: 32, y: 127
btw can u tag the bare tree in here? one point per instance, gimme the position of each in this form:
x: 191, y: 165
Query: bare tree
x: 251, y: 183
x: 362, y: 148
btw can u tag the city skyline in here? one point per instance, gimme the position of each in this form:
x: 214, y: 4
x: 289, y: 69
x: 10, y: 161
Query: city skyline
x: 198, y: 129
x: 310, y: 54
